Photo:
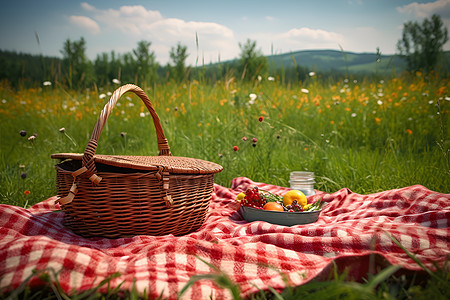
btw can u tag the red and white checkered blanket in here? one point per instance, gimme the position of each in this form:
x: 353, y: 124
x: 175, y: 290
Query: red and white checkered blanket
x: 351, y: 231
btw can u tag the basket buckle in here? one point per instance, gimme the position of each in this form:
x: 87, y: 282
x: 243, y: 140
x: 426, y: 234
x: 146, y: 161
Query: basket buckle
x: 164, y: 175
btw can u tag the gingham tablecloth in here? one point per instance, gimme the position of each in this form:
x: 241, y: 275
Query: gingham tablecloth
x: 352, y: 231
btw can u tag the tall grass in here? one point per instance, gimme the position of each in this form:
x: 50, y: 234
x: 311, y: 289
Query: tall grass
x: 366, y: 136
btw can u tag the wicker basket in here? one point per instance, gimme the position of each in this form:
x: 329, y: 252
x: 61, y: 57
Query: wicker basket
x: 117, y: 196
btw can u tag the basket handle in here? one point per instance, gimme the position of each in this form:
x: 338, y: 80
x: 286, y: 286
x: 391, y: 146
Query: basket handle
x: 89, y: 152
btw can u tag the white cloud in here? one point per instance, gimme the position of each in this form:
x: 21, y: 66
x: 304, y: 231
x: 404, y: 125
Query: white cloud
x: 138, y: 23
x: 87, y: 6
x: 270, y: 18
x: 424, y: 10
x: 86, y: 23
x: 307, y: 38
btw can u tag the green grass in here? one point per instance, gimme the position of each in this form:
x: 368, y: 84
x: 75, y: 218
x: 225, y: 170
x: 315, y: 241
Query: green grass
x: 363, y: 135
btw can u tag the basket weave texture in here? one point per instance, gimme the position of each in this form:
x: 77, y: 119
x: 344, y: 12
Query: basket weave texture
x: 116, y: 196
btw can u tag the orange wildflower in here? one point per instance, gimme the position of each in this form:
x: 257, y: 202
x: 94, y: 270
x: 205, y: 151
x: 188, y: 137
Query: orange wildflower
x: 408, y: 131
x: 27, y: 192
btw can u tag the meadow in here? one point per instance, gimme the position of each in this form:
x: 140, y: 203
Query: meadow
x: 366, y: 135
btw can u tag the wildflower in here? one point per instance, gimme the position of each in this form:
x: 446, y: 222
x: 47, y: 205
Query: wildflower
x: 62, y: 130
x: 311, y: 74
x: 116, y: 81
x: 271, y: 78
x: 408, y: 131
x: 353, y: 115
x: 261, y: 118
x: 23, y: 175
x: 142, y: 114
x: 4, y: 101
x: 254, y: 140
x: 235, y: 148
x: 22, y: 166
x: 220, y: 155
x: 244, y: 138
x: 378, y: 121
x: 23, y: 133
x: 252, y: 96
x: 123, y: 134
x: 46, y: 83
x: 259, y: 78
x: 101, y: 96
x: 447, y: 98
x: 176, y: 108
x: 109, y: 93
x: 32, y: 138
x: 305, y: 91
x: 379, y: 102
x: 27, y: 192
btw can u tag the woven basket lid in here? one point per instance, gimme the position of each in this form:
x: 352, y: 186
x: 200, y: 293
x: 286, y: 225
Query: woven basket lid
x: 173, y: 164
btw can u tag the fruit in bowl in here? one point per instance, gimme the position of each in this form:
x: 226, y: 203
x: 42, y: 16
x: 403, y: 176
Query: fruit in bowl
x: 292, y: 201
x: 291, y: 209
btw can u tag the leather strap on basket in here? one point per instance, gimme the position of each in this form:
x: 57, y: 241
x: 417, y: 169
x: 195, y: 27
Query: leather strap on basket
x: 73, y: 189
x: 89, y: 152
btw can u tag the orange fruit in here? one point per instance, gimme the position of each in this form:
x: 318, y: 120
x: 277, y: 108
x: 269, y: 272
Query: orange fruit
x: 273, y: 206
x: 292, y: 195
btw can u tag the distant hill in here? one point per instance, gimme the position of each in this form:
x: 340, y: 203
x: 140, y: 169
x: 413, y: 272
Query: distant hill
x: 333, y: 60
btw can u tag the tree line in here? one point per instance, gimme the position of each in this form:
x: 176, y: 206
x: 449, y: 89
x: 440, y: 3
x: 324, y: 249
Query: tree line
x: 420, y: 45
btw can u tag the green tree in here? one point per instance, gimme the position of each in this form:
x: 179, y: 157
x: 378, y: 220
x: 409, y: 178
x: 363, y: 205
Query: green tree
x: 252, y: 62
x: 145, y: 63
x: 422, y: 45
x: 78, y: 70
x: 178, y: 57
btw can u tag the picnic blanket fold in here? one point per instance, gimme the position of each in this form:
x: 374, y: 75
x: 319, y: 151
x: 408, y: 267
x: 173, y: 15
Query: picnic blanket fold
x: 354, y: 231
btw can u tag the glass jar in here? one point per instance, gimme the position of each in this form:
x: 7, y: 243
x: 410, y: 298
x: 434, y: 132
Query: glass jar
x: 302, y: 181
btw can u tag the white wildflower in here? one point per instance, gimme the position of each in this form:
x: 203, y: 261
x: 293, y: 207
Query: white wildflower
x: 101, y: 96
x: 116, y: 81
x: 379, y: 102
x: 353, y: 115
x: 271, y: 78
x: 252, y: 97
x: 311, y: 74
x: 46, y: 83
x: 142, y: 114
x: 305, y: 91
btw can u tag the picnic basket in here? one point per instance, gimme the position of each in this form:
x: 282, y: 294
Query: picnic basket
x: 116, y: 196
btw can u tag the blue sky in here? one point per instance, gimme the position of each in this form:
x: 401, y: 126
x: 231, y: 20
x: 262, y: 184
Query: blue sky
x: 278, y: 26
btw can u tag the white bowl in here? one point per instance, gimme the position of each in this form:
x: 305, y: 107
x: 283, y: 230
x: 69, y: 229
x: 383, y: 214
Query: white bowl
x: 285, y: 218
